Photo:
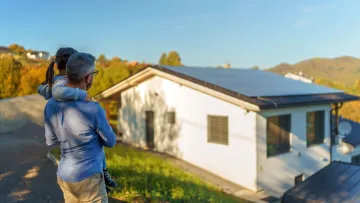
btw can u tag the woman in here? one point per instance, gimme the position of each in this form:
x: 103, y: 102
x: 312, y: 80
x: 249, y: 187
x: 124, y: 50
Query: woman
x: 55, y: 86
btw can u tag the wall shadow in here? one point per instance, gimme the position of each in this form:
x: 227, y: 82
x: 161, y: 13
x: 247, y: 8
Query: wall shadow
x: 132, y: 116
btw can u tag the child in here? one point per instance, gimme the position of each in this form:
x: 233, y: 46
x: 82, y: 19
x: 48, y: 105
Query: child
x: 56, y: 87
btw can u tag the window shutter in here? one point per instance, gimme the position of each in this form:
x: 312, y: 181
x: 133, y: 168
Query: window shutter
x: 170, y: 117
x: 278, y: 134
x: 218, y: 129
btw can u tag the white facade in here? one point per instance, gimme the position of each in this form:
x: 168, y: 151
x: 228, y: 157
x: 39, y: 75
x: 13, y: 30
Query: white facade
x: 187, y: 139
x: 244, y: 160
x: 277, y: 174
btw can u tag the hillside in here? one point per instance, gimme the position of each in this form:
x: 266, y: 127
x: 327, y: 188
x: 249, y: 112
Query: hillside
x: 344, y: 69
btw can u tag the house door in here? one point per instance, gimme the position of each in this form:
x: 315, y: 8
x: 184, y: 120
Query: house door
x: 149, y: 120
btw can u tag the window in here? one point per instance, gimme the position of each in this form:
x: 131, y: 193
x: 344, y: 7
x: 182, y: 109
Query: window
x: 355, y: 159
x: 278, y: 134
x: 170, y: 117
x: 299, y: 179
x: 218, y: 129
x: 315, y: 127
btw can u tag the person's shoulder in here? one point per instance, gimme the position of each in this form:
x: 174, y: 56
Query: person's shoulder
x: 58, y: 78
x: 50, y: 104
x: 95, y: 107
x: 51, y: 101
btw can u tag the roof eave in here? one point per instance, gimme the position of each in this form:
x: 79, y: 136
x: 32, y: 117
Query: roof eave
x: 310, y: 103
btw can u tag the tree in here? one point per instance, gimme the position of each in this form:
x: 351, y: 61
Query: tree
x: 102, y: 61
x: 356, y: 86
x: 116, y: 59
x: 170, y: 59
x: 31, y: 77
x: 17, y: 49
x: 173, y: 59
x: 101, y: 57
x: 9, y: 76
x: 163, y: 59
x: 255, y: 68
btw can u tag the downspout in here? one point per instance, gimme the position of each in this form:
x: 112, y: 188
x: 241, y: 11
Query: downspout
x: 334, y: 132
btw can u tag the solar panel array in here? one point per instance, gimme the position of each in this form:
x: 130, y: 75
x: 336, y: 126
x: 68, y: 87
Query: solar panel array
x: 253, y: 83
x: 337, y: 182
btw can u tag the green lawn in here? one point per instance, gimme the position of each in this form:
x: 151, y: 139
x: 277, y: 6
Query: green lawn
x: 149, y: 177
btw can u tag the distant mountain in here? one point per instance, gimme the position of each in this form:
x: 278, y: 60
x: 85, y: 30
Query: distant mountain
x: 343, y: 69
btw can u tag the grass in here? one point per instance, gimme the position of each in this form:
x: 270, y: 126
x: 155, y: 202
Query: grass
x: 150, y: 178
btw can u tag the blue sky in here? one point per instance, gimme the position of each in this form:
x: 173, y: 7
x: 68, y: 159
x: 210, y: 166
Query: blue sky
x: 204, y: 32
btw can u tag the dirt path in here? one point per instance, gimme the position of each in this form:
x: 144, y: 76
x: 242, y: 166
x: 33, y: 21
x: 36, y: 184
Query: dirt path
x: 25, y: 173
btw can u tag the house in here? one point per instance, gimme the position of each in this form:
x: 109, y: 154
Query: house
x: 38, y: 55
x: 5, y: 50
x: 337, y: 182
x: 254, y: 128
x: 299, y: 76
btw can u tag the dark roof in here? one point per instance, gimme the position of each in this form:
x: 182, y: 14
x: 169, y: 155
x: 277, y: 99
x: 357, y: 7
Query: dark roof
x: 4, y: 49
x: 354, y: 137
x: 337, y: 182
x: 253, y: 83
x: 264, y: 89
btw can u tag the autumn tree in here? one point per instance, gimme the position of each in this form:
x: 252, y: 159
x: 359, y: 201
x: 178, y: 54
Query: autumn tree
x: 102, y: 61
x: 356, y: 86
x: 31, y: 77
x: 17, y: 49
x: 115, y: 60
x: 9, y: 76
x: 173, y: 59
x: 170, y: 59
x: 163, y: 59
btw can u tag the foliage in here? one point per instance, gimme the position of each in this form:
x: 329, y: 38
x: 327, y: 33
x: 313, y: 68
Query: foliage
x: 17, y: 49
x: 31, y: 77
x: 144, y: 175
x: 162, y: 60
x: 101, y: 60
x: 356, y: 86
x: 9, y: 76
x: 343, y: 69
x: 110, y: 73
x: 20, y: 75
x: 170, y: 59
x: 350, y: 110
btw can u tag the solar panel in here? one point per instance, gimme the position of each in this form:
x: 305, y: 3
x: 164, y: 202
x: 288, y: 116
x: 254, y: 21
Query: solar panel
x: 253, y: 83
x: 337, y: 182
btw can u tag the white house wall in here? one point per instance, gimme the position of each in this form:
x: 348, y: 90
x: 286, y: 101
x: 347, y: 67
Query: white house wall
x: 276, y: 174
x: 187, y: 139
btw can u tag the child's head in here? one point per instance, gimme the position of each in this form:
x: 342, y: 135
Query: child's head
x: 61, y: 58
